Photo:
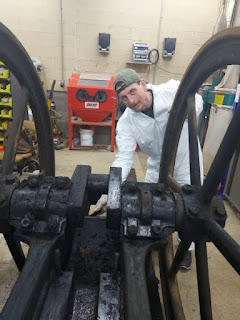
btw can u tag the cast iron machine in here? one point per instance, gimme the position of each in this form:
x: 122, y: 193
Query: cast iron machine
x: 84, y: 267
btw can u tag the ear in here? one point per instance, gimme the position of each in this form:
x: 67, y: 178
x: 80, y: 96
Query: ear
x: 143, y: 83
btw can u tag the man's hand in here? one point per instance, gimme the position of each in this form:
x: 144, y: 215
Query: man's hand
x: 101, y: 205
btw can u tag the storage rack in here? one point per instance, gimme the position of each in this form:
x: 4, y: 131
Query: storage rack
x: 6, y: 106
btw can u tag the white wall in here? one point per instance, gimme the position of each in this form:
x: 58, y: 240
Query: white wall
x: 37, y: 25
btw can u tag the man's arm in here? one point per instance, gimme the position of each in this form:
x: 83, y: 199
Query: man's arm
x: 126, y: 144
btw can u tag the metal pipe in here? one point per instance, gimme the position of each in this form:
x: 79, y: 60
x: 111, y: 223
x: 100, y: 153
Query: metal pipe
x: 228, y: 247
x: 193, y: 143
x: 170, y: 291
x: 178, y: 258
x: 203, y: 280
x: 158, y: 38
x: 61, y: 43
x: 98, y: 183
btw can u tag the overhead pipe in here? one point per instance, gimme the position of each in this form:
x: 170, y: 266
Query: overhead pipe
x: 61, y: 43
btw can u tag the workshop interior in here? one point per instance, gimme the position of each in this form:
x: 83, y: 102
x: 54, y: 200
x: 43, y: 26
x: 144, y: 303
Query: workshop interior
x: 59, y: 113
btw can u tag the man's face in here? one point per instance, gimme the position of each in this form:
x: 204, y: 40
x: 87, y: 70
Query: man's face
x: 134, y: 96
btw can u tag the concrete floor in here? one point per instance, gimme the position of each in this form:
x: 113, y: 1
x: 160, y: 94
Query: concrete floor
x: 224, y: 281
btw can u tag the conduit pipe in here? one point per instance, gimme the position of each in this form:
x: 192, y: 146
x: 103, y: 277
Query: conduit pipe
x: 158, y: 38
x: 61, y: 43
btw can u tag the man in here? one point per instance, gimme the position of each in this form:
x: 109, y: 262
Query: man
x: 144, y: 123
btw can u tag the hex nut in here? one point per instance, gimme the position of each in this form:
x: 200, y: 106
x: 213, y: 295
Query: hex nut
x: 156, y: 227
x: 132, y: 226
x: 25, y: 222
x: 33, y: 182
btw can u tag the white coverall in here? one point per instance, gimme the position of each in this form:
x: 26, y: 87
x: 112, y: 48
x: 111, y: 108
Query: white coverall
x: 136, y: 127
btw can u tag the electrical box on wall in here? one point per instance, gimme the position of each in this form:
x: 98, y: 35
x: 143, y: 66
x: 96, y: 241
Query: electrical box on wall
x: 169, y: 45
x: 140, y: 52
x: 104, y: 42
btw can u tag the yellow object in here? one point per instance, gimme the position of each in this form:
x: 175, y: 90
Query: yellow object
x: 5, y: 87
x: 4, y: 73
x: 6, y: 113
x: 6, y: 101
x: 218, y: 100
x: 49, y: 103
x: 4, y: 124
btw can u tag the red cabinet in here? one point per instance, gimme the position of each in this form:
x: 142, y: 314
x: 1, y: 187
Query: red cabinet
x: 91, y: 99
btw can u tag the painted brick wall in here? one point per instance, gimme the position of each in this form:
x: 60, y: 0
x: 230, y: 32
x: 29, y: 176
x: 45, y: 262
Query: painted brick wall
x: 37, y: 25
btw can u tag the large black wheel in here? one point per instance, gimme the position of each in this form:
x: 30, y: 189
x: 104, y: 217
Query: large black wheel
x: 219, y: 51
x: 15, y: 57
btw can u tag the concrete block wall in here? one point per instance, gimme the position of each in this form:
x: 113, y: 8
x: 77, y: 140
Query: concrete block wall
x: 37, y: 26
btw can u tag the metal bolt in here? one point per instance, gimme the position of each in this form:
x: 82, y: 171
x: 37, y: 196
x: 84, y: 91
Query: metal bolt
x: 187, y: 189
x: 25, y: 223
x: 60, y: 182
x: 156, y: 227
x: 10, y: 179
x: 132, y: 226
x: 33, y: 182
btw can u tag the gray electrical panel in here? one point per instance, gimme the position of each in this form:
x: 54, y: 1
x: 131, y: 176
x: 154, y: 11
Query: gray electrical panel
x: 140, y: 52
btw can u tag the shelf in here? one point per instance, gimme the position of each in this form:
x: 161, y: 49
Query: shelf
x: 138, y: 62
x: 91, y: 123
x: 3, y: 106
x: 2, y: 93
x: 6, y: 118
x: 5, y: 79
x: 93, y: 147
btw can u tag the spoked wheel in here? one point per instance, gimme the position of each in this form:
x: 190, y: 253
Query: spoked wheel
x: 221, y: 50
x: 14, y: 56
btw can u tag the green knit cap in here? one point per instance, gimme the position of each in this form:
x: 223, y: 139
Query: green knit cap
x: 127, y: 76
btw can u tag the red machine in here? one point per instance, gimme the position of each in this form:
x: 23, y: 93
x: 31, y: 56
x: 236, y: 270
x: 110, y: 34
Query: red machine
x: 91, y: 99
